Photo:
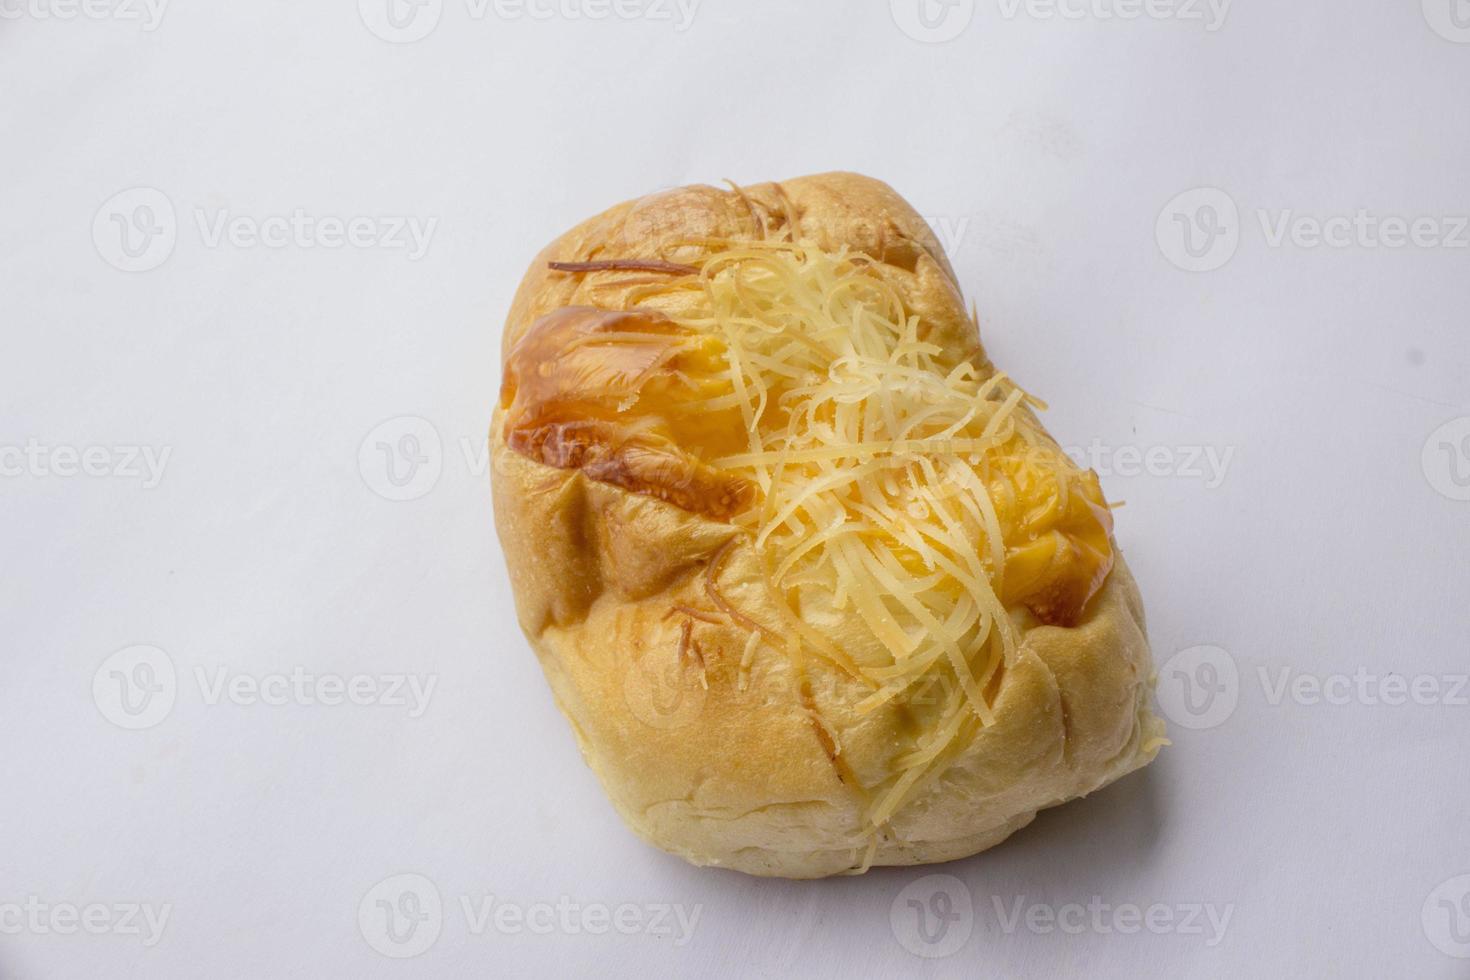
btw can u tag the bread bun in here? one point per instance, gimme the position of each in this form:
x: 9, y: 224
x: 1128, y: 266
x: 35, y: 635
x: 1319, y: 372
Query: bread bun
x: 811, y: 583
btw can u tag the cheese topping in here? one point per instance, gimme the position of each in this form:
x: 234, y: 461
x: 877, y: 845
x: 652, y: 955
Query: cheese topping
x: 883, y: 481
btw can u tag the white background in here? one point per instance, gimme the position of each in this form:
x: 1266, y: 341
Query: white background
x: 1046, y: 150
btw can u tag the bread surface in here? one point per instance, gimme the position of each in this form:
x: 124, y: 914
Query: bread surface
x: 760, y: 760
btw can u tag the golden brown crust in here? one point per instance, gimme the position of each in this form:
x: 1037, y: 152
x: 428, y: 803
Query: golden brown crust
x: 831, y: 210
x: 767, y: 769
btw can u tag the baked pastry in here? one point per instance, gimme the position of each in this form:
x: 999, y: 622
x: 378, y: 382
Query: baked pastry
x: 811, y: 583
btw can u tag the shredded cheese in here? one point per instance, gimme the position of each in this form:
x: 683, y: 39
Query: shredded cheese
x: 888, y: 472
x: 872, y: 452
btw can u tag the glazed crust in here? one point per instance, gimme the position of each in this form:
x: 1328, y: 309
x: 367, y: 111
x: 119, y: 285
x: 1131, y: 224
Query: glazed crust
x: 765, y: 770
